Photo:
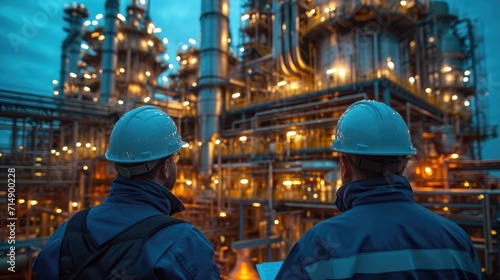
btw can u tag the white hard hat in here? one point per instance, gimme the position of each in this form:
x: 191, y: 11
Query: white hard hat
x: 142, y: 135
x: 372, y: 128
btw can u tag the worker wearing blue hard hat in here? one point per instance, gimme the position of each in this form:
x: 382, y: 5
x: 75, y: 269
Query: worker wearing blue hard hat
x: 382, y: 233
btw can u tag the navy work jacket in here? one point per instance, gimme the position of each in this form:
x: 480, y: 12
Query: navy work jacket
x: 382, y: 234
x: 179, y: 251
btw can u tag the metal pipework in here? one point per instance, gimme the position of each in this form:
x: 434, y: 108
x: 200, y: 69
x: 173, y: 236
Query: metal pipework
x: 213, y: 72
x: 109, y: 51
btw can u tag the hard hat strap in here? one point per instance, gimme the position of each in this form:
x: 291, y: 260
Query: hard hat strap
x: 377, y: 167
x: 128, y: 171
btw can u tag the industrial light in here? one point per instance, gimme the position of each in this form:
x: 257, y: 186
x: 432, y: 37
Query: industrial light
x: 282, y: 83
x: 331, y: 71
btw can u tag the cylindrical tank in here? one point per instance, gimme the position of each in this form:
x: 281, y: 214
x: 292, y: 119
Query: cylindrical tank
x: 213, y: 72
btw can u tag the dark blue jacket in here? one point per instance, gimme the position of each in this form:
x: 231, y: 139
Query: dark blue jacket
x: 179, y: 251
x: 382, y: 234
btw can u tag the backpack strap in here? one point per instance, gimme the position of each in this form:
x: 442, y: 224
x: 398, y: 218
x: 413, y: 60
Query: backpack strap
x: 142, y: 229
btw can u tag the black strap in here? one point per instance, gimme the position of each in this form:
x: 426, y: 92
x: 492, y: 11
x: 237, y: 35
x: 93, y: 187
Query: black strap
x: 144, y: 229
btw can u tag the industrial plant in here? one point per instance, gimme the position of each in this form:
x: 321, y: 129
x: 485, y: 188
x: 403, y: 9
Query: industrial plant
x: 258, y: 111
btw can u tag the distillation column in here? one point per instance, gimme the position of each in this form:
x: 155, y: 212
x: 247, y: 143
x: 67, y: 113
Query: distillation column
x: 213, y: 72
x: 109, y: 51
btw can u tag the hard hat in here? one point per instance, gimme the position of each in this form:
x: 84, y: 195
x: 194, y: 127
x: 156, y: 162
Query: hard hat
x: 142, y: 135
x: 372, y: 128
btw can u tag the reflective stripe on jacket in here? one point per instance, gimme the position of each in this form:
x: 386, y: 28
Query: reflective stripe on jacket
x: 382, y: 234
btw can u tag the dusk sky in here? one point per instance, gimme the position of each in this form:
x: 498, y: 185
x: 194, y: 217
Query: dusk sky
x: 31, y: 34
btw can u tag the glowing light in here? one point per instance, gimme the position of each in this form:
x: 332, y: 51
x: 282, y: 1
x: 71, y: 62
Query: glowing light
x: 244, y: 181
x: 282, y: 83
x: 287, y: 183
x: 243, y: 138
x: 331, y: 71
x: 428, y: 171
x: 291, y: 133
x: 236, y: 95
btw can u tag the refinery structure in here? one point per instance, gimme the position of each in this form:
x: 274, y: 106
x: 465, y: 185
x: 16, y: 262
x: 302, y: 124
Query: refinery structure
x: 259, y: 118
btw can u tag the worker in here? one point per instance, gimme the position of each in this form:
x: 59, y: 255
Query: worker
x: 144, y: 146
x: 382, y: 233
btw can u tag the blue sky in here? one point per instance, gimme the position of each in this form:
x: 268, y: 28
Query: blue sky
x: 31, y: 34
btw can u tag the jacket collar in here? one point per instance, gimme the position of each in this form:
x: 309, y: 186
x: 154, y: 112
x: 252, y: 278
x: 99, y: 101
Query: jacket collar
x: 374, y: 190
x: 146, y: 192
